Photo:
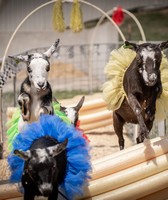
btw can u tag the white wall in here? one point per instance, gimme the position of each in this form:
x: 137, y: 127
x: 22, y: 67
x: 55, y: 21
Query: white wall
x: 37, y: 31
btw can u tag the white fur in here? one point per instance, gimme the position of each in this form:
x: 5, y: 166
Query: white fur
x: 39, y: 74
x: 70, y: 112
x: 42, y: 155
x: 45, y: 186
x: 145, y: 75
x: 147, y: 53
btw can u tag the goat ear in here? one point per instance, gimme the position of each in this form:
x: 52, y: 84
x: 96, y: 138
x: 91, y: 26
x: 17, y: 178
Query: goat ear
x: 20, y: 58
x: 55, y: 100
x: 163, y: 45
x: 52, y: 49
x: 131, y: 45
x: 79, y: 105
x: 25, y: 155
x: 57, y: 149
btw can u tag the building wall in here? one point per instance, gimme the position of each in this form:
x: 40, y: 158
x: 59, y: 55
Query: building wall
x: 37, y: 31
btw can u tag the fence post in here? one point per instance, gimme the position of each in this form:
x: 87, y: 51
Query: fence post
x: 1, y: 125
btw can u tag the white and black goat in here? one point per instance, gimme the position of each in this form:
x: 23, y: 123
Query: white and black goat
x: 72, y: 112
x: 35, y: 94
x: 44, y: 168
x: 142, y: 85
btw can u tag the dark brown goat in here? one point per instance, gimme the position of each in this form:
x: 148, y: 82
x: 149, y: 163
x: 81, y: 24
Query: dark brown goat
x: 142, y: 85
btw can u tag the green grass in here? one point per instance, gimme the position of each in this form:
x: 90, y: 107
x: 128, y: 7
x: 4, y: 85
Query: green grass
x: 154, y: 23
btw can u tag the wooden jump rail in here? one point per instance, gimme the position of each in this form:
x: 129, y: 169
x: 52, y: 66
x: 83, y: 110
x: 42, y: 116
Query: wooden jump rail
x: 94, y: 114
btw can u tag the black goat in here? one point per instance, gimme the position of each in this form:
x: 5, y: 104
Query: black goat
x: 35, y: 94
x: 44, y: 169
x: 142, y: 85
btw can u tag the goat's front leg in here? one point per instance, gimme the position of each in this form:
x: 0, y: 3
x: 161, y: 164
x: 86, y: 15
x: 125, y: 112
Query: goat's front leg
x: 136, y: 107
x: 151, y: 102
x: 28, y: 195
x: 24, y: 102
x: 46, y: 109
x: 54, y: 193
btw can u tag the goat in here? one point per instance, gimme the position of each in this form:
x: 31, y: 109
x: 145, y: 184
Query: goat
x: 42, y: 160
x: 35, y: 96
x: 72, y: 112
x: 142, y: 85
x: 44, y: 168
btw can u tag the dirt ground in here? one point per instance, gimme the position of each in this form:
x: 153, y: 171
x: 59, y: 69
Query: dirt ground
x: 105, y: 143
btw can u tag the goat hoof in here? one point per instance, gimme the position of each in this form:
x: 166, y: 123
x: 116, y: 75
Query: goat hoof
x: 138, y: 140
x: 121, y: 148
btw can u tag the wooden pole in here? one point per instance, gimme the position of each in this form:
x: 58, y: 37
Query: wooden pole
x: 128, y: 176
x: 137, y: 189
x: 147, y: 151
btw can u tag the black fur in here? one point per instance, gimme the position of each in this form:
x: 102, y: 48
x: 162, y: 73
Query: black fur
x: 35, y: 173
x: 140, y: 105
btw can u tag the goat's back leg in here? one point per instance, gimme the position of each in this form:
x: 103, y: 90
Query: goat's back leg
x: 118, y: 123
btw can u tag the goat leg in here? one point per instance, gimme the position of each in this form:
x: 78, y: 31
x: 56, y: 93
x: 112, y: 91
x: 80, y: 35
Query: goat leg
x: 28, y: 195
x: 54, y: 194
x: 151, y: 103
x: 118, y: 124
x: 134, y: 104
x: 46, y: 110
x: 24, y: 102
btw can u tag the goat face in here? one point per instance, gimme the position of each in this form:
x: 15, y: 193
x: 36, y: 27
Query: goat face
x: 38, y: 66
x: 73, y: 112
x: 41, y: 167
x: 148, y: 57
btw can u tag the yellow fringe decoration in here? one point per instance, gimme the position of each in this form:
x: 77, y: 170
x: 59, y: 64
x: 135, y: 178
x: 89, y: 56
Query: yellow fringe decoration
x: 76, y: 21
x: 113, y: 91
x: 58, y: 19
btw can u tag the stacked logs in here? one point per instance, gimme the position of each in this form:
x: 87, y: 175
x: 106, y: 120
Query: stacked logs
x: 94, y: 114
x: 139, y: 172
